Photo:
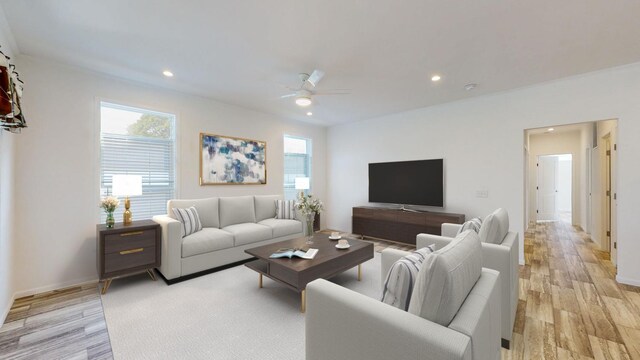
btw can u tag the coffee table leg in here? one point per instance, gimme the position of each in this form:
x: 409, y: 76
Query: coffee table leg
x: 359, y: 272
x: 260, y: 281
x: 303, y: 301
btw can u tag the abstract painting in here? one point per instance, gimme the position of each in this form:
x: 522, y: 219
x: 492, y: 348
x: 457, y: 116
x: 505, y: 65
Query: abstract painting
x: 226, y: 160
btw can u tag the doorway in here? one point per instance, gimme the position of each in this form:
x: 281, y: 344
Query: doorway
x: 554, y: 187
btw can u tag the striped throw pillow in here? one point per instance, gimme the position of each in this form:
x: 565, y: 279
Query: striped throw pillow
x: 398, y: 286
x: 189, y: 219
x: 285, y: 209
x: 474, y: 224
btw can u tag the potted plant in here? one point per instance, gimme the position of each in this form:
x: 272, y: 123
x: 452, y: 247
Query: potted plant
x: 309, y: 207
x: 109, y: 204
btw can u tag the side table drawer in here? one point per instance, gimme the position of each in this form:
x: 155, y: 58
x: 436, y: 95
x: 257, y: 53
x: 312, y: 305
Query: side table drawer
x: 129, y: 258
x: 115, y: 243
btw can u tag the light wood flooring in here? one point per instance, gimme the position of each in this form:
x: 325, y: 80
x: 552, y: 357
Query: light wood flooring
x: 570, y: 307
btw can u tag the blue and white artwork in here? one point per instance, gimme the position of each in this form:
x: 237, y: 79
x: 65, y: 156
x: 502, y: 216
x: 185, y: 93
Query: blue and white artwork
x: 229, y: 160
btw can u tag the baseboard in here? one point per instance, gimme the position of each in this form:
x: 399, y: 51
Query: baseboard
x: 58, y: 286
x: 5, y: 313
x: 204, y: 272
x: 627, y: 281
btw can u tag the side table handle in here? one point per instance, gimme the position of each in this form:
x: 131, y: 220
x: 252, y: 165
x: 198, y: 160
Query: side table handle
x: 132, y: 233
x: 132, y: 251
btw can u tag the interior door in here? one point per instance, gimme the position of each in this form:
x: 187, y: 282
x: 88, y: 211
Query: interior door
x: 547, y: 188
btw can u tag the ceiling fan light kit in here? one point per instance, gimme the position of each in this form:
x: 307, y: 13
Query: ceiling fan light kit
x: 306, y: 91
x: 303, y: 101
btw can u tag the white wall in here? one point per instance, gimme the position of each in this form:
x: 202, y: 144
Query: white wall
x: 7, y: 176
x: 58, y: 192
x: 586, y: 136
x: 553, y: 144
x: 482, y: 139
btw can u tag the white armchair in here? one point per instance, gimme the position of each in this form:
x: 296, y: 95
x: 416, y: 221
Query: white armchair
x: 342, y: 324
x: 499, y: 252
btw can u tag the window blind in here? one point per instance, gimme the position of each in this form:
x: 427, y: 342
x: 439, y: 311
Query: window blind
x: 297, y: 163
x: 148, y: 157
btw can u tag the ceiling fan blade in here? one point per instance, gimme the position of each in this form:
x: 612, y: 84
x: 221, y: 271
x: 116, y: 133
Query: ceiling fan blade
x: 315, y: 77
x: 287, y: 96
x: 332, y: 93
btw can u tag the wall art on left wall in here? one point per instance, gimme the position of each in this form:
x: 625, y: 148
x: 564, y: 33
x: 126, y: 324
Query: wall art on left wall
x: 226, y: 160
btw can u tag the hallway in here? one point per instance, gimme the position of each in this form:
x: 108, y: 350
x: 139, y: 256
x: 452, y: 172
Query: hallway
x: 570, y: 306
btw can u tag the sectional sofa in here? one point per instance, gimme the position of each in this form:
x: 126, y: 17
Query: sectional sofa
x: 230, y: 225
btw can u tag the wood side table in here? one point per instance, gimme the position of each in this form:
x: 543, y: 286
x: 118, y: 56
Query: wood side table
x: 127, y: 249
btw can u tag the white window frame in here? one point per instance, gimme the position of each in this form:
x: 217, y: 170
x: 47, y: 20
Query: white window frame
x: 309, y: 142
x: 151, y: 108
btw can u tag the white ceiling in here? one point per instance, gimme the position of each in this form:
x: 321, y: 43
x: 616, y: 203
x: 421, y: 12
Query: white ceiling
x: 241, y: 52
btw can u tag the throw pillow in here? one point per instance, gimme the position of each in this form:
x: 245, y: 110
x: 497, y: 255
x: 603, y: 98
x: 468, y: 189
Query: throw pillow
x: 446, y: 278
x: 398, y: 286
x: 474, y: 224
x: 190, y: 220
x: 285, y: 209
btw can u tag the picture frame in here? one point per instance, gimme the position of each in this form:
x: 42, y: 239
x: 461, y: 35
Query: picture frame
x: 228, y: 160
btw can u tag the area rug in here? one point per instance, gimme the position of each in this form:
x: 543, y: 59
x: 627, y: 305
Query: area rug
x: 224, y: 315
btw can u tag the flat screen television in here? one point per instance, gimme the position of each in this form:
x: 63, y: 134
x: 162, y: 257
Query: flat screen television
x: 419, y: 182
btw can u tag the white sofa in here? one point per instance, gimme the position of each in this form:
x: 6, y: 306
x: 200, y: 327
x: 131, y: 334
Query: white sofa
x: 230, y: 225
x: 499, y: 252
x: 343, y: 324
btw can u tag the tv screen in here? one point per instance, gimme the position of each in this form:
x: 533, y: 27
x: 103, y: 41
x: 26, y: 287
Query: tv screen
x: 418, y: 182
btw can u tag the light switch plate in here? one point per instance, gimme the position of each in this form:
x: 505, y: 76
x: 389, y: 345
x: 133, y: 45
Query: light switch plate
x: 482, y: 193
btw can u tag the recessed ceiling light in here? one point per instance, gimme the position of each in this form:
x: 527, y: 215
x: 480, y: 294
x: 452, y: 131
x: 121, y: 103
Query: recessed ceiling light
x: 303, y: 101
x: 435, y: 78
x: 470, y: 87
x: 167, y: 73
x: 309, y: 113
x: 550, y: 129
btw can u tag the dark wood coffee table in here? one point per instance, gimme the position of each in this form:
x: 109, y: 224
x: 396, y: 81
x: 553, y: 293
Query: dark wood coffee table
x: 296, y: 273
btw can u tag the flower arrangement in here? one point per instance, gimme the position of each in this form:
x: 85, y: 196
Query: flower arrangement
x: 109, y: 203
x: 307, y: 204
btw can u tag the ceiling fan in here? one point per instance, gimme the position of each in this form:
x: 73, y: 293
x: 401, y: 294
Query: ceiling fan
x: 304, y: 93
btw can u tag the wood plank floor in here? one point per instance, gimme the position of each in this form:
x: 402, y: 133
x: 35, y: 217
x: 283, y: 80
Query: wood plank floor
x: 61, y: 324
x: 570, y: 307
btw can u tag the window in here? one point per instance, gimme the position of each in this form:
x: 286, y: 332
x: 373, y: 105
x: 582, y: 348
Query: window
x: 138, y: 142
x: 297, y: 163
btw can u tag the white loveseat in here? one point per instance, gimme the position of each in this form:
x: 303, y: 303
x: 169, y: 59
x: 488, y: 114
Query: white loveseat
x: 461, y: 298
x: 230, y: 225
x: 499, y: 252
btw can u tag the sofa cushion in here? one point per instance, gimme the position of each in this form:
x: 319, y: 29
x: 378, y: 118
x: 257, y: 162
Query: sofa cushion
x: 266, y: 206
x: 286, y: 209
x: 446, y: 278
x: 494, y: 227
x: 206, y: 240
x: 207, y: 210
x: 249, y: 233
x: 237, y: 210
x: 189, y: 219
x: 398, y: 285
x: 283, y: 227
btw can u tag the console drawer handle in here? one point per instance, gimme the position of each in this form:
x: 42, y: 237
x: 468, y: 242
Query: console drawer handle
x: 132, y: 233
x: 132, y: 251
